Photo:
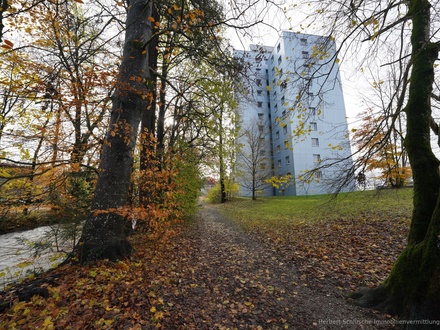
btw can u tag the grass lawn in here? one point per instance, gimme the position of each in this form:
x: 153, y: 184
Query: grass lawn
x: 351, y: 240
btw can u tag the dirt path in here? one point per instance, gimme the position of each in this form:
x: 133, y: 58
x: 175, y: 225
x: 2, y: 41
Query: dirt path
x: 230, y: 280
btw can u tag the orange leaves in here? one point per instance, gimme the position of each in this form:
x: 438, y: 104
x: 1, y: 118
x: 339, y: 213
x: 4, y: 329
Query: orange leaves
x: 384, y: 151
x: 352, y: 253
x: 75, y: 167
x: 102, y: 296
x: 7, y: 44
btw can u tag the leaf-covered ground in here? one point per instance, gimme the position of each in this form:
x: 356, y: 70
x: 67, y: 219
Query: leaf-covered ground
x: 213, y: 275
x: 349, y: 254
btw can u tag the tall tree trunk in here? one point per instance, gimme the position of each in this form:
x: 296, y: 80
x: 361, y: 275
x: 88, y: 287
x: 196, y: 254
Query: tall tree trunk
x: 222, y: 160
x: 148, y: 124
x: 103, y: 235
x: 412, y: 289
x: 162, y: 100
x: 254, y: 183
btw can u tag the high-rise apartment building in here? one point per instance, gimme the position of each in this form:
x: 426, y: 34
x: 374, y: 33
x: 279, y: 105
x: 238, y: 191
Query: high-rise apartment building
x: 293, y: 103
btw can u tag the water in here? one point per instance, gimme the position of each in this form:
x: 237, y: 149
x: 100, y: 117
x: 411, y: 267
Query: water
x: 18, y: 258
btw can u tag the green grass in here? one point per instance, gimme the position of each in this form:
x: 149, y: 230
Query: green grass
x: 281, y: 211
x: 353, y: 239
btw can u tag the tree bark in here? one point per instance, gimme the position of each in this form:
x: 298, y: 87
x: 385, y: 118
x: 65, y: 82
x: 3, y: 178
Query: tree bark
x: 148, y: 123
x: 103, y: 235
x: 412, y: 289
x: 221, y: 159
x: 4, y: 5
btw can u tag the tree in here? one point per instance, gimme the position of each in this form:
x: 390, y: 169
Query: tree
x: 14, y: 11
x: 186, y: 36
x: 253, y: 163
x: 412, y: 289
x: 384, y: 150
x: 55, y: 99
x: 379, y: 139
x: 104, y: 231
x: 18, y: 91
x: 84, y: 74
x: 103, y: 235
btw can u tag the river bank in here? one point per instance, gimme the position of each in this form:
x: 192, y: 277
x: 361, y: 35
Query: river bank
x: 14, y: 219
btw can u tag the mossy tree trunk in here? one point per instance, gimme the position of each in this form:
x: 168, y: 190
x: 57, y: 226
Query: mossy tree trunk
x: 104, y: 231
x: 412, y: 289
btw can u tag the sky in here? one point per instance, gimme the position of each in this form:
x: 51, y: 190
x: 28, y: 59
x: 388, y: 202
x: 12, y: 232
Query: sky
x: 267, y: 34
x: 357, y: 87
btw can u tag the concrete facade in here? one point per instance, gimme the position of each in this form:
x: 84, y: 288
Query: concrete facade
x: 294, y: 92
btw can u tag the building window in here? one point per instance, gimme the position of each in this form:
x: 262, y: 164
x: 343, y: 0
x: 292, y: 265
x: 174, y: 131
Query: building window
x: 278, y: 148
x: 285, y: 129
x: 263, y: 166
x: 312, y: 111
x: 303, y: 41
x: 272, y: 58
x: 279, y: 162
x: 305, y: 54
x: 260, y: 104
x: 278, y: 48
x: 276, y: 107
x: 259, y: 92
x: 316, y: 158
x: 260, y: 128
x: 260, y: 116
x: 287, y: 160
x: 262, y: 152
x: 277, y: 135
x: 286, y: 144
x: 258, y: 82
x: 313, y: 126
x: 279, y: 60
x: 283, y: 99
x: 318, y: 175
x: 284, y: 113
x: 315, y: 142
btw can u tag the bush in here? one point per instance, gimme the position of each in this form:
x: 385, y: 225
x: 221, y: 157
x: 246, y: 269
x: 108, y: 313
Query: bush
x: 214, y: 194
x: 189, y: 183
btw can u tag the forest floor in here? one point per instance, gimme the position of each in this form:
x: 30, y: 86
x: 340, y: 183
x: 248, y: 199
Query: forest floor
x: 212, y: 275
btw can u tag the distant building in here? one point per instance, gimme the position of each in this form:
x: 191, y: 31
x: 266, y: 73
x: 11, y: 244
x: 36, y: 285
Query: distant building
x: 294, y: 96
